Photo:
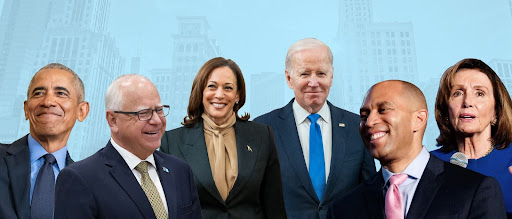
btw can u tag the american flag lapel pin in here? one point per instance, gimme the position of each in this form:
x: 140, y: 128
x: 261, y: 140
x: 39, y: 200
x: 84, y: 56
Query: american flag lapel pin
x: 342, y: 125
x: 165, y: 169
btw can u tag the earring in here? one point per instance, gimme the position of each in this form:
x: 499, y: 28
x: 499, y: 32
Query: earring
x: 494, y: 121
x: 236, y: 103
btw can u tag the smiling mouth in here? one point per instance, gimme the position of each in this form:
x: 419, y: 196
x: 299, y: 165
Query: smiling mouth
x: 377, y: 135
x: 151, y: 133
x: 219, y: 105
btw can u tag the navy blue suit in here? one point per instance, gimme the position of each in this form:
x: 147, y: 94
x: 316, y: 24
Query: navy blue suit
x: 444, y: 191
x: 351, y: 163
x: 15, y: 179
x: 103, y: 186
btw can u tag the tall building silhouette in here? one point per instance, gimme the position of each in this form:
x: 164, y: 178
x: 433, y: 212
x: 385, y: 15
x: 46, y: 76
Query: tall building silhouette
x: 369, y: 52
x: 192, y: 47
x: 22, y: 22
x: 74, y: 34
x: 503, y: 67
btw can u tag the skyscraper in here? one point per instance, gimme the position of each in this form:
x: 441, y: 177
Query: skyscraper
x: 369, y: 52
x: 192, y: 47
x: 74, y: 34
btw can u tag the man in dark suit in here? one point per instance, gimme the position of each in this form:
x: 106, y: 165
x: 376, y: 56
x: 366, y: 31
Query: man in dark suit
x: 128, y: 178
x: 412, y: 183
x: 55, y: 100
x: 316, y: 169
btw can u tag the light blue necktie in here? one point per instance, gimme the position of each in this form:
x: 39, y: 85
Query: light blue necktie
x: 316, y: 156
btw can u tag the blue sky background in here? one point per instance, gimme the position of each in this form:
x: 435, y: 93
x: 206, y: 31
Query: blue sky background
x: 257, y: 35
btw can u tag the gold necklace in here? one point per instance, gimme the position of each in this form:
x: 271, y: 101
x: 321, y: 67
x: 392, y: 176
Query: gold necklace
x: 489, y: 151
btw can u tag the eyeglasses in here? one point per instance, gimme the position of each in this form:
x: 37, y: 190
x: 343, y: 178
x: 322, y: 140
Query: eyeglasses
x: 147, y: 114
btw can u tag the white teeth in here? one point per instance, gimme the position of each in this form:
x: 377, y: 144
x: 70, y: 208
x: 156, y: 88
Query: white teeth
x: 377, y: 135
x: 218, y: 105
x: 151, y: 133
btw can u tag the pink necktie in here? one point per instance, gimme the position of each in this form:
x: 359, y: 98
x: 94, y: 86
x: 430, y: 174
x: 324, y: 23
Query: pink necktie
x: 394, y: 206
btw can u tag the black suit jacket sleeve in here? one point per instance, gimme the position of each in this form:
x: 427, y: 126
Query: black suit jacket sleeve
x: 271, y: 187
x: 488, y: 200
x: 82, y: 205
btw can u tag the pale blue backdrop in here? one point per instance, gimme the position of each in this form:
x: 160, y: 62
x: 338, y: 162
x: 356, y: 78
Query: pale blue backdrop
x: 168, y: 41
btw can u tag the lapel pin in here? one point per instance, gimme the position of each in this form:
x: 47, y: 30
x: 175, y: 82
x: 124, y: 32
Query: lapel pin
x: 165, y: 169
x: 342, y: 125
x: 249, y: 148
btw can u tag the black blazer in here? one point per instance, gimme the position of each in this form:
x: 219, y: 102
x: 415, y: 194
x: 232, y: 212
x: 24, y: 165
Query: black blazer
x: 351, y: 163
x: 103, y: 186
x: 257, y: 192
x: 15, y: 179
x: 444, y: 191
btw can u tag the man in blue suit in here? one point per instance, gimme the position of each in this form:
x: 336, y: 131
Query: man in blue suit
x: 320, y: 151
x: 29, y: 166
x: 129, y: 178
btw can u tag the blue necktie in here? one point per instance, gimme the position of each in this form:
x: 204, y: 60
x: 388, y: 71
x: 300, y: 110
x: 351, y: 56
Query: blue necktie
x: 43, y: 197
x: 316, y: 156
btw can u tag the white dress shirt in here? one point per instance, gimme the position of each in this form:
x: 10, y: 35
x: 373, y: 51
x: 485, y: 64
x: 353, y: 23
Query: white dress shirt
x: 414, y: 170
x: 302, y: 122
x: 133, y: 161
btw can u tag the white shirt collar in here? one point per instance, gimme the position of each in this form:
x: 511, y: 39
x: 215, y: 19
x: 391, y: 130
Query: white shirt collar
x: 414, y: 169
x: 301, y: 114
x: 130, y: 158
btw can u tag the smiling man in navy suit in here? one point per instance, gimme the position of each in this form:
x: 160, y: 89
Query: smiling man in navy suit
x: 128, y: 178
x: 412, y: 183
x: 28, y: 167
x: 320, y: 151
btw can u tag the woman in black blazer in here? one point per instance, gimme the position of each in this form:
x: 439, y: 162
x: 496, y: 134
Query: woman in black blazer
x: 234, y: 161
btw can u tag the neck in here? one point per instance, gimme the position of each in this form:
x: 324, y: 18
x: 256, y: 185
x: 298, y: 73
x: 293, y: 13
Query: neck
x: 398, y: 165
x: 51, y: 143
x: 475, y: 146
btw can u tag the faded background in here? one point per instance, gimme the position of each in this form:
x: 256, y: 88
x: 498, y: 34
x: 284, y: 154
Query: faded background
x: 168, y: 40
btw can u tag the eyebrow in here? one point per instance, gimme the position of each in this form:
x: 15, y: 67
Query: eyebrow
x: 379, y: 105
x: 476, y: 86
x: 217, y: 83
x: 38, y: 89
x: 61, y: 89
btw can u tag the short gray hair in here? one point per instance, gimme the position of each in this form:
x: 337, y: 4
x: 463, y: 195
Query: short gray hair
x: 114, y: 96
x: 77, y: 82
x: 307, y: 43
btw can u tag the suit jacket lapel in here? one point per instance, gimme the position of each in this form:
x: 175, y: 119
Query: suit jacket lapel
x: 18, y: 166
x: 68, y: 159
x: 124, y: 176
x: 427, y: 188
x: 246, y: 158
x: 374, y: 196
x: 339, y: 136
x: 290, y: 141
x: 168, y: 183
x: 195, y: 153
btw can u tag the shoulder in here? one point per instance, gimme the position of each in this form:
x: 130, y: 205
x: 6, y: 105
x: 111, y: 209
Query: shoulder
x: 87, y: 165
x: 172, y: 162
x: 344, y: 114
x: 20, y: 145
x: 253, y: 126
x: 268, y: 117
x: 441, y: 154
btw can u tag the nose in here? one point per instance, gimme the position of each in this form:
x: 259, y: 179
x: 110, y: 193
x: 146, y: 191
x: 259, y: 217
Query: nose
x: 219, y: 93
x: 313, y: 81
x: 155, y: 119
x: 468, y: 101
x: 371, y: 120
x: 49, y: 100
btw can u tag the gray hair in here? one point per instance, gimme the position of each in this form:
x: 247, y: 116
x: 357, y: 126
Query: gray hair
x: 304, y: 44
x: 77, y: 82
x: 114, y: 96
